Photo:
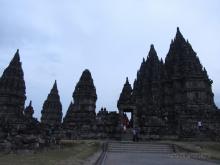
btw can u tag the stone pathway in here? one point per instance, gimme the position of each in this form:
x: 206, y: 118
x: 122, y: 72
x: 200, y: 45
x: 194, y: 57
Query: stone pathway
x: 114, y: 158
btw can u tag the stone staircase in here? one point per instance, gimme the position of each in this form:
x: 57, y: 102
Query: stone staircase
x: 140, y: 147
x: 128, y: 135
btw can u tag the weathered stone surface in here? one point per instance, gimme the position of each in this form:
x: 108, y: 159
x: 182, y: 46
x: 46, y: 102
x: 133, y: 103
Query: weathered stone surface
x: 12, y: 91
x: 107, y: 124
x: 126, y: 104
x: 80, y: 119
x: 17, y: 124
x: 171, y: 98
x: 52, y: 109
x: 29, y: 111
x: 126, y: 94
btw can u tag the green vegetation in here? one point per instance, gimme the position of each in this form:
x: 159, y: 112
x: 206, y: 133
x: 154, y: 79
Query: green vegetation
x: 74, y: 153
x: 211, y: 150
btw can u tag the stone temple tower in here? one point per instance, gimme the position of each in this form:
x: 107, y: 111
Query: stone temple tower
x: 147, y: 93
x: 29, y: 111
x: 52, y: 108
x: 126, y: 104
x: 188, y: 96
x: 12, y: 91
x: 81, y: 117
x: 191, y: 85
x: 173, y: 97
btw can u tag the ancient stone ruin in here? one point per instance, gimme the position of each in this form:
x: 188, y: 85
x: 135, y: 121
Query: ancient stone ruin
x: 173, y: 97
x: 18, y: 129
x: 52, y: 109
x: 108, y: 124
x: 12, y: 92
x: 29, y: 111
x: 80, y: 119
x: 169, y: 99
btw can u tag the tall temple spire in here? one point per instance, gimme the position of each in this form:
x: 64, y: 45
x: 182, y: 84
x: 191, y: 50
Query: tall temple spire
x: 69, y: 115
x: 152, y: 53
x: 52, y: 108
x: 182, y: 66
x: 12, y: 90
x: 179, y: 37
x: 126, y: 94
x: 152, y: 58
x: 16, y: 58
x: 85, y: 87
x: 127, y: 81
x: 81, y: 115
x: 181, y: 59
x: 54, y: 89
x: 14, y: 65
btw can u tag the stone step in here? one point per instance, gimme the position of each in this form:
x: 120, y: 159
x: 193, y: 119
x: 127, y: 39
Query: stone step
x: 142, y: 151
x: 153, y: 149
x: 133, y: 148
x: 136, y: 143
x: 139, y: 147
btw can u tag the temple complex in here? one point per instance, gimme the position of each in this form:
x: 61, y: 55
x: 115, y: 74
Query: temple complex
x: 52, y: 109
x: 173, y: 97
x: 170, y: 99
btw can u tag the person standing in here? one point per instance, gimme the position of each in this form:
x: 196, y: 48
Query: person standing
x: 134, y: 134
x: 137, y: 133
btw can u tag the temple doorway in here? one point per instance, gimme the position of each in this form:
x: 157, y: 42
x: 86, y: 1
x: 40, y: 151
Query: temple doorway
x: 128, y: 119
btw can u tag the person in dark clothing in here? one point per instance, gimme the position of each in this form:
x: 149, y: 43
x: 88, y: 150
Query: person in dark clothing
x: 134, y: 131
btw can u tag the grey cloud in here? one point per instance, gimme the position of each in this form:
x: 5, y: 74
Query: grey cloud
x: 59, y: 39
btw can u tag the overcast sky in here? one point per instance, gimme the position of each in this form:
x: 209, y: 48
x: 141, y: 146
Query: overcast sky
x: 59, y: 39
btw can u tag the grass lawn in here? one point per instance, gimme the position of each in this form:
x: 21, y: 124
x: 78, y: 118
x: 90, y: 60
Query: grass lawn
x: 210, y: 149
x: 69, y: 154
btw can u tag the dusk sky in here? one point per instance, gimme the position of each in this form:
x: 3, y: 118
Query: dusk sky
x: 59, y: 39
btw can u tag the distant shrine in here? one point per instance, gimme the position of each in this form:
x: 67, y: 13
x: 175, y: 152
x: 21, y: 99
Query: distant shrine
x: 170, y: 99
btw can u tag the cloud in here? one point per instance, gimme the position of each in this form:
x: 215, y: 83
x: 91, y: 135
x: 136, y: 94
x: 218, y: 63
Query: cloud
x: 59, y: 39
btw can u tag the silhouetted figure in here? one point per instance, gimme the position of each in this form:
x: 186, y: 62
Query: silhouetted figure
x: 135, y: 137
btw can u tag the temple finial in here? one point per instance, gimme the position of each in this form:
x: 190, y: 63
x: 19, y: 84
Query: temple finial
x: 55, y: 86
x: 30, y: 104
x: 16, y: 58
x: 179, y: 35
x: 127, y: 81
x: 178, y: 29
x: 152, y: 46
x: 152, y: 53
